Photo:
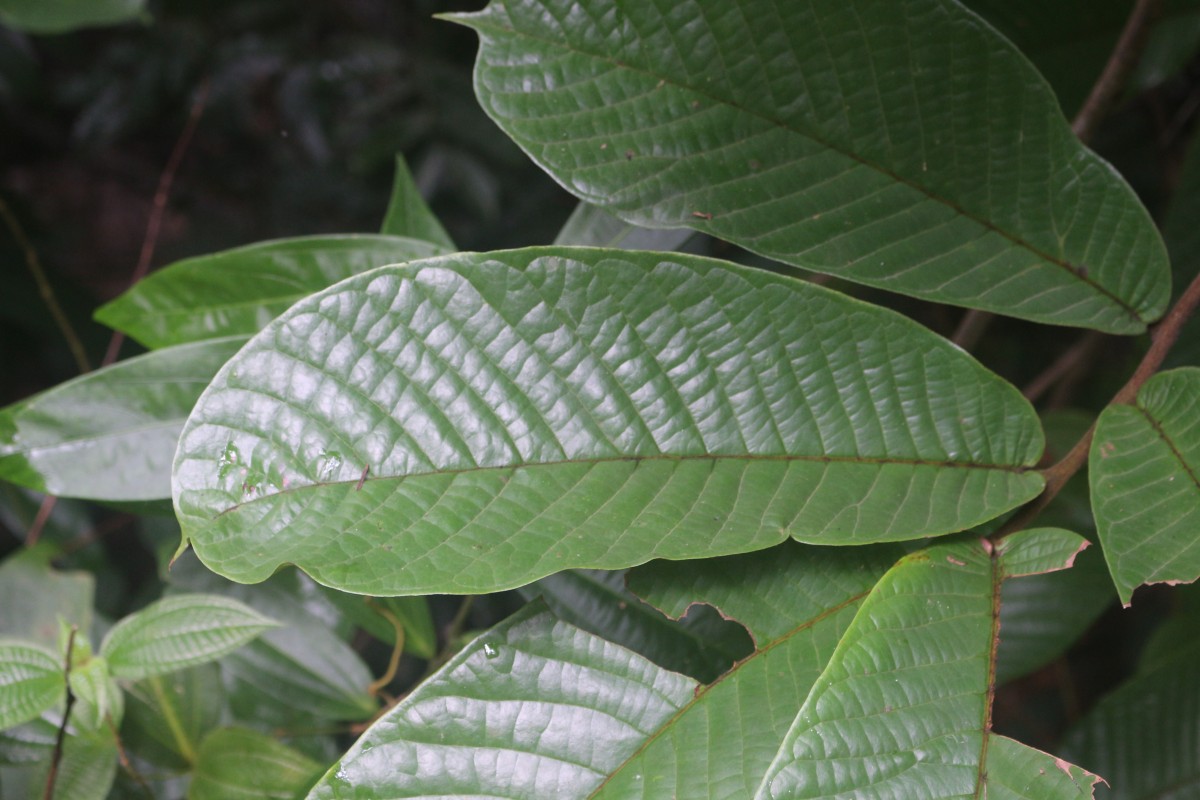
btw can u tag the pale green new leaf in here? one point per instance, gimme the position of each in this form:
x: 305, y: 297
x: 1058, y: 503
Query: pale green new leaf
x: 592, y: 226
x: 902, y: 144
x: 903, y: 709
x: 31, y: 681
x: 98, y: 699
x: 1144, y: 469
x: 180, y: 631
x: 110, y: 434
x: 533, y: 708
x: 236, y: 292
x: 240, y: 764
x: 1038, y: 551
x: 474, y: 422
x: 408, y: 215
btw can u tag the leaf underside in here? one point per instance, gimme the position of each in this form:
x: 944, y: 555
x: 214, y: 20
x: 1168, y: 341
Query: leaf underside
x: 853, y: 138
x: 1144, y: 470
x: 475, y: 422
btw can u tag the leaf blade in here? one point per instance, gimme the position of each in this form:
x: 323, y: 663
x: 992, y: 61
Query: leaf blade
x: 541, y: 423
x: 31, y: 681
x: 235, y: 292
x: 831, y: 145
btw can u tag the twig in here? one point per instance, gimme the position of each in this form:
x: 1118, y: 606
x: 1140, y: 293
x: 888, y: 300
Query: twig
x: 159, y: 207
x: 44, y: 288
x: 123, y: 759
x: 1162, y: 338
x: 1116, y: 72
x: 56, y: 758
x: 1068, y: 362
x: 971, y: 328
x: 39, y: 521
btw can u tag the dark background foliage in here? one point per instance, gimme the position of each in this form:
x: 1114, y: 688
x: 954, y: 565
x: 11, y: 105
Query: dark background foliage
x: 302, y: 107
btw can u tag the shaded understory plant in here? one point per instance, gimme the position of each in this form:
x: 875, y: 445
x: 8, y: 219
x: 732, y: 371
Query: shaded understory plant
x: 777, y: 540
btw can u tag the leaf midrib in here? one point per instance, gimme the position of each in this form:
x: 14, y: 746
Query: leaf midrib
x: 476, y: 21
x: 1015, y: 469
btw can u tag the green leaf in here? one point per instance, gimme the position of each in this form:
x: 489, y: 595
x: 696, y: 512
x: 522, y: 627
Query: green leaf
x: 1039, y: 550
x: 1142, y: 736
x: 167, y: 716
x: 474, y: 422
x: 97, y: 696
x: 1143, y: 468
x: 297, y: 674
x: 1017, y: 772
x: 533, y: 708
x: 236, y: 292
x: 89, y: 765
x: 110, y: 434
x: 180, y: 631
x: 62, y: 16
x: 797, y: 601
x: 34, y: 597
x: 901, y: 144
x: 592, y: 226
x: 903, y: 709
x: 31, y: 681
x: 239, y: 764
x: 408, y: 215
x: 701, y: 645
x: 28, y: 743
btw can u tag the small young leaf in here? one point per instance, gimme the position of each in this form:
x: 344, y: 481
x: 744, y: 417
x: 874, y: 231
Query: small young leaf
x: 477, y: 421
x: 240, y: 764
x: 902, y: 144
x: 180, y: 631
x: 236, y: 292
x: 1144, y: 469
x: 110, y: 434
x: 98, y: 699
x: 31, y: 681
x: 408, y: 215
x: 1038, y: 551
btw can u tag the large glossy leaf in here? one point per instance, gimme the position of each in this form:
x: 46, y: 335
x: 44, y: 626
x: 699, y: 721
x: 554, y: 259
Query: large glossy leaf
x: 110, y: 434
x: 534, y: 708
x: 903, y: 709
x: 236, y: 292
x: 898, y: 143
x: 1144, y: 469
x: 1143, y: 736
x: 503, y: 718
x: 474, y: 422
x: 180, y: 631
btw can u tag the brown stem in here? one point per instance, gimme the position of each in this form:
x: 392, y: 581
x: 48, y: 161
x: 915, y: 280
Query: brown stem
x: 1064, y: 365
x: 44, y: 288
x: 56, y: 758
x: 39, y: 522
x: 1116, y: 72
x: 159, y: 207
x: 971, y: 328
x: 1162, y: 337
